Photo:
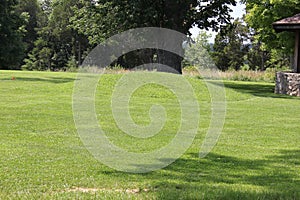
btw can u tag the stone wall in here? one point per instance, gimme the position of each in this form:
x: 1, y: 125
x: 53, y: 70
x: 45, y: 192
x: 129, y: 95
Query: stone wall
x: 288, y: 83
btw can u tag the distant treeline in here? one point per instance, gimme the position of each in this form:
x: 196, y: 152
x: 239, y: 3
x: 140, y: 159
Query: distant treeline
x: 58, y: 34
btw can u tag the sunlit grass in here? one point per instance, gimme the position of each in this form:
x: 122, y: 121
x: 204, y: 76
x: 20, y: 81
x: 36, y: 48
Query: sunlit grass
x: 42, y: 157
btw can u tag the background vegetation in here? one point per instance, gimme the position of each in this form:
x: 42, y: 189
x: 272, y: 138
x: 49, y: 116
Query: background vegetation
x: 58, y: 34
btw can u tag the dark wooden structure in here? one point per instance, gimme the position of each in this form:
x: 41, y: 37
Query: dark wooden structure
x: 291, y: 24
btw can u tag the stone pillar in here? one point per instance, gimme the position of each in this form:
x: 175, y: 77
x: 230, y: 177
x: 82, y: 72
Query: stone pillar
x: 288, y: 83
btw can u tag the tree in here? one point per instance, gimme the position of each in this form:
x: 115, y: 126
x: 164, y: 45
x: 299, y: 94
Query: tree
x: 260, y: 16
x: 33, y: 9
x: 257, y: 58
x: 58, y: 43
x: 101, y: 19
x: 11, y: 34
x: 231, y: 46
x: 197, y: 51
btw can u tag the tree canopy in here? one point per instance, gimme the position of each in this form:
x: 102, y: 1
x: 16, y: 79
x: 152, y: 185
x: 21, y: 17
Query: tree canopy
x: 231, y: 46
x: 58, y: 34
x: 58, y: 45
x: 11, y: 33
x: 100, y: 19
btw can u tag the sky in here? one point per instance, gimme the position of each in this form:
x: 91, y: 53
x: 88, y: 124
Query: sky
x: 238, y: 11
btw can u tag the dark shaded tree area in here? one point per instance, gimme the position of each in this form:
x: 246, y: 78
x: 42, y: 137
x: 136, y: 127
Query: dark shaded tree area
x: 57, y: 34
x: 231, y: 46
x: 101, y: 19
x: 57, y: 46
x: 11, y: 35
x: 36, y: 35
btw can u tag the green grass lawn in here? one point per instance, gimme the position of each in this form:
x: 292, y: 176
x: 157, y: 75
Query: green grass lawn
x: 42, y: 157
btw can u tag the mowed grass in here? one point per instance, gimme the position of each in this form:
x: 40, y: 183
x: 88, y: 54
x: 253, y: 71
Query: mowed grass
x: 42, y: 156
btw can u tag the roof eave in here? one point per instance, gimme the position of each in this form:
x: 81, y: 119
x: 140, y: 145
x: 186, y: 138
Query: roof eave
x: 286, y: 27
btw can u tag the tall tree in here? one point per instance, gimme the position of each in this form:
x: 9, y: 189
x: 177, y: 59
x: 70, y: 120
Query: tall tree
x: 197, y: 52
x: 230, y: 46
x: 33, y: 9
x: 101, y: 19
x: 257, y: 58
x: 11, y: 35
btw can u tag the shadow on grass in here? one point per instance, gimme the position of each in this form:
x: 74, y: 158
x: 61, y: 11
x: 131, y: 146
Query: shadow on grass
x: 255, y: 89
x: 226, y: 177
x: 55, y: 80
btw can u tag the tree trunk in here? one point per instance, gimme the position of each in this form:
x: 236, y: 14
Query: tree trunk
x: 173, y: 61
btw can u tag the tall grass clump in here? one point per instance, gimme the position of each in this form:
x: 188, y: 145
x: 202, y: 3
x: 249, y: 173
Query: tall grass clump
x: 241, y: 75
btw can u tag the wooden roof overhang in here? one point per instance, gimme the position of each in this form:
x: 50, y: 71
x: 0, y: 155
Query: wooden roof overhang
x: 288, y: 24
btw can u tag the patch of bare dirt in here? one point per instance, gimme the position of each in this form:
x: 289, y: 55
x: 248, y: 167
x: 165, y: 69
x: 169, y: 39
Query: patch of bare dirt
x: 94, y: 190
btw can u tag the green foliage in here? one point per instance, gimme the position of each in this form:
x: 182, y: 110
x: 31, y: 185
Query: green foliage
x: 101, y: 19
x: 257, y: 58
x: 57, y: 42
x: 33, y: 10
x: 261, y: 15
x: 230, y: 46
x: 11, y: 34
x: 71, y: 65
x: 58, y: 34
x: 51, y: 33
x: 279, y: 59
x: 40, y: 58
x: 197, y: 53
